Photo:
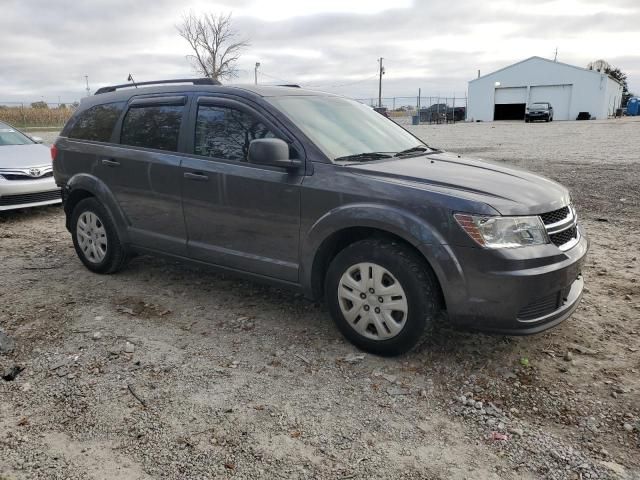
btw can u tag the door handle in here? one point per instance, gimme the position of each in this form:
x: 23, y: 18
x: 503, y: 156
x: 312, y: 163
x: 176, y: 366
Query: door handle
x: 196, y: 176
x: 110, y: 163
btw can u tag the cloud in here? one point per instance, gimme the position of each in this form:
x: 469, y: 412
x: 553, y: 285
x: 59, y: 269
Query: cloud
x: 48, y: 47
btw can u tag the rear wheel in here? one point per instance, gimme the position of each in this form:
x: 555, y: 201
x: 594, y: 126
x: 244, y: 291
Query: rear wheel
x: 95, y: 237
x: 382, y: 296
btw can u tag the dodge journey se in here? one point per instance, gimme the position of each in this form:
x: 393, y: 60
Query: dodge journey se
x: 323, y: 195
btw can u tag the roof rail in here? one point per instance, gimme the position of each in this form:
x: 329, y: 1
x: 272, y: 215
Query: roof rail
x: 194, y: 81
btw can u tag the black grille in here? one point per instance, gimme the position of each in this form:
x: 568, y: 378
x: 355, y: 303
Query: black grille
x: 545, y: 305
x: 19, y: 176
x: 541, y: 307
x: 555, y: 216
x: 24, y: 198
x: 564, y: 236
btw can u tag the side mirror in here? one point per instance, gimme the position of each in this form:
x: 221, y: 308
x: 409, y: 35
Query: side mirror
x: 273, y: 152
x: 37, y: 139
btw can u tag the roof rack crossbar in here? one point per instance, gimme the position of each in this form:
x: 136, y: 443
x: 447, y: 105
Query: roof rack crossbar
x: 194, y: 81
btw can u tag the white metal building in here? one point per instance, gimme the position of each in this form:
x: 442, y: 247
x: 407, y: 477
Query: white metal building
x: 504, y: 94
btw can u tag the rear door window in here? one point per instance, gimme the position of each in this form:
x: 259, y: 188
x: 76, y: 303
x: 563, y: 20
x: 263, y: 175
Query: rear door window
x: 95, y: 123
x: 153, y: 126
x: 225, y: 132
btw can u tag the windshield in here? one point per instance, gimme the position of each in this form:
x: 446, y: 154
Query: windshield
x: 342, y: 127
x: 540, y: 105
x: 10, y: 136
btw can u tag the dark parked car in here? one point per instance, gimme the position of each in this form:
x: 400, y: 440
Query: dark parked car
x: 539, y: 111
x: 441, y: 112
x: 382, y: 111
x: 320, y: 194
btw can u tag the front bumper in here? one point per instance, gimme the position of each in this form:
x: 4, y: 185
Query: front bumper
x: 28, y: 193
x: 537, y: 115
x: 515, y: 292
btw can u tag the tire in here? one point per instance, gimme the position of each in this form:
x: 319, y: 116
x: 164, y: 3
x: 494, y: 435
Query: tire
x: 417, y: 302
x: 99, y: 249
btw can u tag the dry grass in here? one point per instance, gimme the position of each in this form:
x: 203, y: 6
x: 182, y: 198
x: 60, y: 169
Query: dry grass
x: 35, y: 117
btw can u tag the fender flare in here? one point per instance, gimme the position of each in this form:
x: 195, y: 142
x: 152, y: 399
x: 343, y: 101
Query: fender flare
x: 412, y: 229
x: 97, y: 188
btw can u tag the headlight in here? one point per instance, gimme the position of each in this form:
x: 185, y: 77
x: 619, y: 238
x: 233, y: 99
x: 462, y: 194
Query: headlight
x: 503, y: 232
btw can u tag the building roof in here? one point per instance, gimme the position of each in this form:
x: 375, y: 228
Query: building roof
x: 545, y: 60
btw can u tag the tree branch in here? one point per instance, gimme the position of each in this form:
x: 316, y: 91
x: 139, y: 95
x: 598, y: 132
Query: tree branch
x: 211, y: 39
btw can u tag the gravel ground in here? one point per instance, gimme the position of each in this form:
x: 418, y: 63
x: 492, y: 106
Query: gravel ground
x: 166, y: 371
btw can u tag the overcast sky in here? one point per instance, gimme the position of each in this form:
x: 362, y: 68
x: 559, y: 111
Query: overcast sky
x: 48, y: 46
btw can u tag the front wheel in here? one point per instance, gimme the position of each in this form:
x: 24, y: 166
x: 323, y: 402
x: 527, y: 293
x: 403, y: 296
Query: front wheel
x: 95, y: 237
x: 382, y: 296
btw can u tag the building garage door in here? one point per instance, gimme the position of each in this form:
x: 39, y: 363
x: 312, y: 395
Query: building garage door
x: 559, y: 96
x: 510, y: 103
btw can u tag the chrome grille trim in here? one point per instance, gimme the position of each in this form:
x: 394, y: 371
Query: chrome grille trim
x: 557, y: 228
x: 45, y: 171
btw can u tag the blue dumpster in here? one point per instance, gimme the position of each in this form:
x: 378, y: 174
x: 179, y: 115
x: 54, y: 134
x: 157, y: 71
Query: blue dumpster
x: 633, y: 106
x: 415, y: 120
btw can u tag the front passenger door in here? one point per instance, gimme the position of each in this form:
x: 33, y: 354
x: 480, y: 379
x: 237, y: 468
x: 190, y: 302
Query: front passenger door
x: 239, y: 215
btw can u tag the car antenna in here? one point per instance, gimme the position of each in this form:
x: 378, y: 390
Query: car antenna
x: 130, y: 79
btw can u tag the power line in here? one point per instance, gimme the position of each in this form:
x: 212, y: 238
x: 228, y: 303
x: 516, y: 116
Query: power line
x: 320, y: 85
x: 372, y: 77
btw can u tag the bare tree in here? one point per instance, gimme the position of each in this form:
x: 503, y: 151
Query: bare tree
x: 214, y: 43
x: 599, y: 66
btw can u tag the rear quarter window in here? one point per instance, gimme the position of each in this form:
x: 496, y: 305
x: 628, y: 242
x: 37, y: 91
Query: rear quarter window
x: 95, y: 123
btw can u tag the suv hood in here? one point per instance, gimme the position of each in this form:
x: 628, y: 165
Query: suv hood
x: 24, y: 156
x: 508, y: 190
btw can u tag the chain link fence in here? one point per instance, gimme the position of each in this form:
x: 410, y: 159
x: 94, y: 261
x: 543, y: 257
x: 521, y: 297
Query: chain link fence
x: 38, y: 114
x: 404, y: 110
x: 423, y: 109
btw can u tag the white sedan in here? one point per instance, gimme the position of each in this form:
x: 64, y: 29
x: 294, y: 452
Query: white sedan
x: 26, y: 171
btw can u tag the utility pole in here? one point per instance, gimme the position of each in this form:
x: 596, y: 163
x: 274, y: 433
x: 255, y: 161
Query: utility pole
x: 86, y: 78
x: 380, y: 82
x: 555, y: 57
x: 255, y: 72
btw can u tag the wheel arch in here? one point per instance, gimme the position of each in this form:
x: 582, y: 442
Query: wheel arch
x: 84, y: 186
x: 347, y: 225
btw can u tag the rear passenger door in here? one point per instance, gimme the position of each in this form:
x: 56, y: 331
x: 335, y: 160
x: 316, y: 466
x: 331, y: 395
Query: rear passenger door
x: 238, y: 214
x: 145, y: 175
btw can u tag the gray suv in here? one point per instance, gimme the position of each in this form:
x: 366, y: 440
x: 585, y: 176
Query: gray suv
x: 322, y: 195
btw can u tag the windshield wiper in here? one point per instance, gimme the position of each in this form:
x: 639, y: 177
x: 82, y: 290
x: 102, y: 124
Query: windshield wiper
x: 362, y: 157
x: 408, y: 151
